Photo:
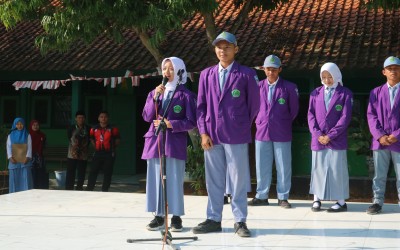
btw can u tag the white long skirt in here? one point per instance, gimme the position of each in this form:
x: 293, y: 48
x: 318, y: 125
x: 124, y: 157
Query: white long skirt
x: 330, y: 175
x: 154, y: 191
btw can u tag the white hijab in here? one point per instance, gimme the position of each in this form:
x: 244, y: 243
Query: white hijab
x: 334, y: 70
x: 178, y: 64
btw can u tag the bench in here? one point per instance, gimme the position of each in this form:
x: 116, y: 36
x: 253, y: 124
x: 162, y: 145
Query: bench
x: 59, y: 154
x: 56, y: 154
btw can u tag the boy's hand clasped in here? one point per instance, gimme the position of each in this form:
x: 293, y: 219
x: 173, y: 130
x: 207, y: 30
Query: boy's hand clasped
x: 206, y: 142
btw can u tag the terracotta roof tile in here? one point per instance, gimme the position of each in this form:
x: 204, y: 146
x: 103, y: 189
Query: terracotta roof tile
x: 304, y: 33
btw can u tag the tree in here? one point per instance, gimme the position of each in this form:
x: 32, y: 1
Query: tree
x: 66, y: 22
x: 382, y: 4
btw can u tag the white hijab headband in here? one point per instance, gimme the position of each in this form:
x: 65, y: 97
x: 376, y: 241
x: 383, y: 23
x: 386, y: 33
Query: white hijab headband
x: 334, y: 70
x: 178, y: 64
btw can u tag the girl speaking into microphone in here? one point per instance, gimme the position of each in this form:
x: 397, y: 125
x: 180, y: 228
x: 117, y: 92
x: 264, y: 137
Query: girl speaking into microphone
x: 179, y: 118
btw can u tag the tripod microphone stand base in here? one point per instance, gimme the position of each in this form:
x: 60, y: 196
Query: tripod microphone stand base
x: 168, y: 239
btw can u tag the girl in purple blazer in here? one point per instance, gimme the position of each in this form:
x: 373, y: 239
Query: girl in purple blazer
x: 180, y: 118
x: 329, y: 115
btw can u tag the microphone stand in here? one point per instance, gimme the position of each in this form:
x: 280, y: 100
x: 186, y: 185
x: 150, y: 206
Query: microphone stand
x: 166, y: 236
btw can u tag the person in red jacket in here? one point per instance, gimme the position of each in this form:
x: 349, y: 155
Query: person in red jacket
x: 105, y: 139
x: 39, y: 172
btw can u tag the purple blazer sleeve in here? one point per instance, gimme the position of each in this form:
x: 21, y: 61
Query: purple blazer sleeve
x: 375, y: 126
x: 312, y: 121
x: 149, y: 111
x: 202, y: 102
x: 253, y: 96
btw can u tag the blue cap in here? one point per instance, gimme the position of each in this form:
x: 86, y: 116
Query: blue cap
x: 272, y: 61
x: 391, y: 60
x: 225, y: 36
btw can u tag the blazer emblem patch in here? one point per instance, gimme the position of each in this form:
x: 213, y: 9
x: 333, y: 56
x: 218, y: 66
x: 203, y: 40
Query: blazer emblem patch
x: 177, y: 108
x: 235, y: 93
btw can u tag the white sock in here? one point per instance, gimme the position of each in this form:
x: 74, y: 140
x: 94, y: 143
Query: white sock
x: 316, y: 204
x: 336, y: 206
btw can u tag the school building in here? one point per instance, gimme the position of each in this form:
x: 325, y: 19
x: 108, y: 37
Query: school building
x: 305, y: 34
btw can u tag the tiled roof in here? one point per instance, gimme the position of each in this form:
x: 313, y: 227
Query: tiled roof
x: 304, y: 33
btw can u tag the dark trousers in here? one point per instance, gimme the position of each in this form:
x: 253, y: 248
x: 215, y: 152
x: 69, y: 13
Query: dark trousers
x: 40, y: 177
x: 106, y: 163
x: 75, y: 167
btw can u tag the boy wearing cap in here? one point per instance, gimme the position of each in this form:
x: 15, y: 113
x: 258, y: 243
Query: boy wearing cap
x: 384, y: 124
x: 279, y: 107
x: 228, y: 102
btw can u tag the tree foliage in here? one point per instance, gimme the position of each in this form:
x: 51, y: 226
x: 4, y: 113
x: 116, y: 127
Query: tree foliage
x: 382, y: 4
x: 66, y: 22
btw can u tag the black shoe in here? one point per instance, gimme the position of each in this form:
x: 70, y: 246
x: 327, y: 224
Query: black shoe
x: 284, y: 204
x: 156, y: 224
x: 207, y: 226
x: 241, y: 229
x: 176, y: 224
x: 258, y: 202
x: 341, y: 208
x: 374, y: 209
x: 318, y: 208
x: 226, y: 201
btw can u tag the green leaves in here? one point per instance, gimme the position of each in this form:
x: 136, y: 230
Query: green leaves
x: 382, y: 4
x: 195, y: 161
x: 84, y: 20
x: 361, y: 137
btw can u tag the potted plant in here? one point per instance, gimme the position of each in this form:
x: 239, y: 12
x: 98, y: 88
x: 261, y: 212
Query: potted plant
x: 195, y: 162
x: 362, y: 140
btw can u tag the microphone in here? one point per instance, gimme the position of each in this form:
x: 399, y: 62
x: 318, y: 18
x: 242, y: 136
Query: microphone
x: 164, y: 82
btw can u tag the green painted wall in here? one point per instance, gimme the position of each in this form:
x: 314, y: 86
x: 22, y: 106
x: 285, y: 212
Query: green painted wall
x: 125, y: 104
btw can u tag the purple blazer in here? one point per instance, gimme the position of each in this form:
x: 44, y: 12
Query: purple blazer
x: 333, y: 122
x: 274, y: 120
x: 227, y: 117
x: 181, y: 114
x: 383, y: 120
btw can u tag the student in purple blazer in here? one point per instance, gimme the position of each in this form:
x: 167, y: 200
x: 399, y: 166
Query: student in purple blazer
x: 329, y: 115
x: 180, y: 118
x: 279, y: 107
x: 228, y: 101
x: 384, y: 123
